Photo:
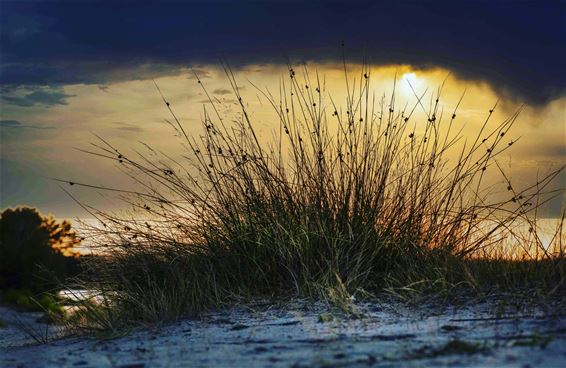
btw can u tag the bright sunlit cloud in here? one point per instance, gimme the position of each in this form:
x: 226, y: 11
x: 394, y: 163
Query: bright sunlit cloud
x: 410, y: 85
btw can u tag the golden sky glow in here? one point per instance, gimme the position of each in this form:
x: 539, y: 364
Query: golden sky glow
x: 126, y: 113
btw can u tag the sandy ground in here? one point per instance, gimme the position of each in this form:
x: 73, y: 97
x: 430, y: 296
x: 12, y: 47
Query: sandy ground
x: 296, y: 335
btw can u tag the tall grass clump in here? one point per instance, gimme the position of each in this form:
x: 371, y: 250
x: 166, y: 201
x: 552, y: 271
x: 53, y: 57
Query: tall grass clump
x: 348, y: 199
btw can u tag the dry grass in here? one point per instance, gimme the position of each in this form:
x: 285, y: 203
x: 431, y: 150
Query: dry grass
x: 347, y: 200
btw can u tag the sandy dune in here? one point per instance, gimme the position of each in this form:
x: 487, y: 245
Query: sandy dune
x: 296, y: 335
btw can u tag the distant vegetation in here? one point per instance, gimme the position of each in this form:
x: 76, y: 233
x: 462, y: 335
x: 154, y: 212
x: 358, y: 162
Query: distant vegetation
x: 358, y: 200
x: 36, y: 256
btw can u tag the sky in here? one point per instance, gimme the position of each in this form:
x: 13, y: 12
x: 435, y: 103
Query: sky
x: 71, y: 70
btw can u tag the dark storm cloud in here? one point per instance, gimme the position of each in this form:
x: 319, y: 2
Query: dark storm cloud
x: 10, y: 123
x: 17, y: 124
x: 43, y: 97
x: 517, y: 46
x: 199, y: 73
x: 73, y: 69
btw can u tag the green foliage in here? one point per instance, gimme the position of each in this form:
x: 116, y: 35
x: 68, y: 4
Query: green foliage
x: 34, y: 250
x: 26, y: 300
x: 459, y: 347
x: 452, y: 347
x: 325, y: 317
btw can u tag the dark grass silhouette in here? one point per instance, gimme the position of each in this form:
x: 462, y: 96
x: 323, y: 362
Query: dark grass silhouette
x: 360, y: 199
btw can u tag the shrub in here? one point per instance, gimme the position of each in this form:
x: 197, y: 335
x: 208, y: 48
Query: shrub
x: 35, y: 250
x: 344, y: 202
x: 26, y: 300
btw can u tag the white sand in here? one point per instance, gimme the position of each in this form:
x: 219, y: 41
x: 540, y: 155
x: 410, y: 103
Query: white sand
x: 293, y: 336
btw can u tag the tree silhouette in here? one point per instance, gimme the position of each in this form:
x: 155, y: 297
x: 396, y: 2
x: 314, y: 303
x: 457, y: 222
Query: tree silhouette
x: 35, y: 250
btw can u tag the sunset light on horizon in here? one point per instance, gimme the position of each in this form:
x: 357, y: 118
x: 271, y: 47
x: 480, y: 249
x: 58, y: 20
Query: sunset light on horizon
x: 282, y: 183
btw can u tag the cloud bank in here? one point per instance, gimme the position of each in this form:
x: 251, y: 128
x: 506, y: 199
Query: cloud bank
x: 519, y: 47
x: 41, y: 97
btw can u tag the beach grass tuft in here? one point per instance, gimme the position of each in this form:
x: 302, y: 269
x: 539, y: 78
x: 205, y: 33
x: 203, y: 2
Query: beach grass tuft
x: 346, y: 202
